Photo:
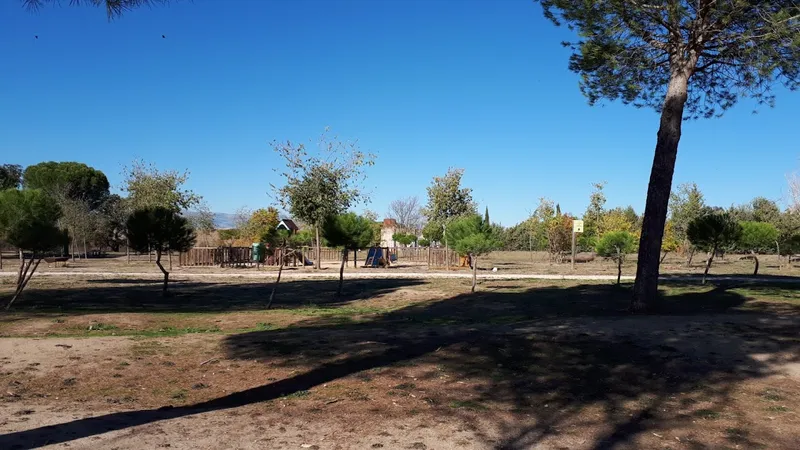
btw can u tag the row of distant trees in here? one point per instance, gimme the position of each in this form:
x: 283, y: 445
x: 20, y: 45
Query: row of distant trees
x: 57, y: 208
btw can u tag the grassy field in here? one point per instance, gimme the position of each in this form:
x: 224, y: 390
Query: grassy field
x: 400, y: 363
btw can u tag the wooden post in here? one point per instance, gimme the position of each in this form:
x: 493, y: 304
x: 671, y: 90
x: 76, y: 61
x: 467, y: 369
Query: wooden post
x: 573, y: 249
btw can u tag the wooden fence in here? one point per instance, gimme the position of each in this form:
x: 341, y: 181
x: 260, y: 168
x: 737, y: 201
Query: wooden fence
x: 433, y: 257
x: 243, y: 256
x: 217, y: 256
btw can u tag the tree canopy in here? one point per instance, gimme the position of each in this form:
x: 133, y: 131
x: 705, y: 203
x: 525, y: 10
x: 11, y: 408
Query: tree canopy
x: 160, y: 229
x: 10, y: 176
x: 70, y: 180
x: 28, y: 220
x: 114, y: 8
x: 713, y: 231
x: 349, y: 231
x: 148, y: 188
x: 615, y: 245
x: 758, y: 237
x: 471, y: 235
x: 630, y: 50
x: 447, y: 199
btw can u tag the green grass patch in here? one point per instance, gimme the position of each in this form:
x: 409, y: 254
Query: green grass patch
x: 263, y: 326
x: 772, y: 395
x: 707, y: 414
x: 468, y: 404
x: 327, y: 311
x: 102, y: 327
x: 298, y: 394
x: 777, y: 408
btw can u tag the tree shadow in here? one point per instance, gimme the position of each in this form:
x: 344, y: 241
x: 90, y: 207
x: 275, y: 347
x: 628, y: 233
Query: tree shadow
x: 126, y: 295
x: 546, y: 353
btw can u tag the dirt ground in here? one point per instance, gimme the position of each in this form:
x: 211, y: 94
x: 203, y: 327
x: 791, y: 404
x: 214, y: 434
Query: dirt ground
x: 398, y: 363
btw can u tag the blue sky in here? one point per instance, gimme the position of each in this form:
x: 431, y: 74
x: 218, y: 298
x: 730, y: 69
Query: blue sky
x: 424, y: 84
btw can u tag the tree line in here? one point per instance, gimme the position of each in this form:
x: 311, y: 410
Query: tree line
x: 58, y: 208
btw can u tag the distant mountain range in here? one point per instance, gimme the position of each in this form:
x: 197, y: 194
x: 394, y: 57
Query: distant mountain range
x: 224, y: 220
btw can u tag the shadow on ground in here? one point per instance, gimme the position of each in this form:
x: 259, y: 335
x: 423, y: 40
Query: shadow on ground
x: 546, y: 354
x: 126, y: 295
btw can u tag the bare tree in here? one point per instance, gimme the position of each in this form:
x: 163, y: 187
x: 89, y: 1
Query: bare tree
x: 794, y: 192
x: 407, y: 212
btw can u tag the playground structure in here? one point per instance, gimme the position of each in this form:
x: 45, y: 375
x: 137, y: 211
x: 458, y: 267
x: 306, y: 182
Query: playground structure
x: 376, y: 257
x: 379, y: 257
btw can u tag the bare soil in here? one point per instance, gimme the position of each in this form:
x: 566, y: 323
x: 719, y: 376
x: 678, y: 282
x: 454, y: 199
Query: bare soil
x: 410, y: 364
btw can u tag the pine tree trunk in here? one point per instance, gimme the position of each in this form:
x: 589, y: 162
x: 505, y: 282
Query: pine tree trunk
x: 166, y: 274
x: 708, y: 263
x: 691, y: 256
x: 85, y: 250
x: 474, y: 260
x: 755, y: 259
x: 318, y: 261
x: 780, y: 261
x: 619, y: 267
x: 645, y: 288
x: 341, y: 273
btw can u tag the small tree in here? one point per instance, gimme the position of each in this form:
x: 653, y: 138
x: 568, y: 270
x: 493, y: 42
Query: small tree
x: 160, y: 229
x: 670, y: 242
x: 408, y: 213
x: 350, y: 232
x: 712, y: 232
x: 28, y: 221
x: 447, y: 199
x: 616, y: 244
x: 404, y: 239
x: 473, y: 237
x: 591, y: 218
x: 324, y: 184
x: 685, y: 204
x: 757, y: 237
x: 279, y: 243
x: 559, y: 236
